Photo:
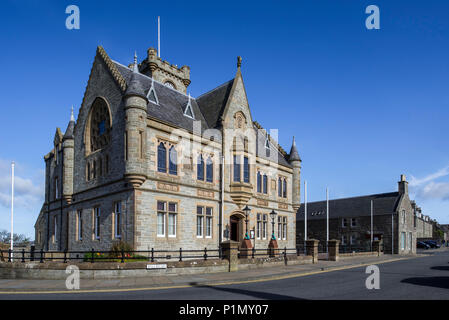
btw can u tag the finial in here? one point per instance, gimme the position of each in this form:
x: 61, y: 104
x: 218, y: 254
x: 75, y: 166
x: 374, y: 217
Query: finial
x: 294, y: 142
x: 72, y: 118
x: 135, y: 67
x: 239, y: 61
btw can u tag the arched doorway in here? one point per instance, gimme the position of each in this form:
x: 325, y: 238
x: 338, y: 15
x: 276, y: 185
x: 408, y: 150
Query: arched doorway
x: 236, y: 227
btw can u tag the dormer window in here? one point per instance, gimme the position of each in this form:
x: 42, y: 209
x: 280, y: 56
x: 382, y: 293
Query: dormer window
x: 188, y: 112
x: 267, y: 147
x: 152, y: 96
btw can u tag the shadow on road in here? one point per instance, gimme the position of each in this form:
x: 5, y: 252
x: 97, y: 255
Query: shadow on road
x: 437, y: 282
x: 255, y: 294
x: 442, y: 268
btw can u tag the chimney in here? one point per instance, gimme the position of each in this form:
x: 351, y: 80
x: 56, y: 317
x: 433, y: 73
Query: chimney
x: 403, y: 185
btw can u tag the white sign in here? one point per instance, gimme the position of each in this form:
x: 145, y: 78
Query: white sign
x: 156, y: 266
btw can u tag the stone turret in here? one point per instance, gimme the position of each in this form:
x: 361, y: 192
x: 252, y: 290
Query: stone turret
x: 295, y: 161
x: 136, y: 115
x: 68, y: 144
x: 164, y: 72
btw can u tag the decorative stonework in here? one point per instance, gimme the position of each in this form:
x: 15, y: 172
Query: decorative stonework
x: 205, y: 193
x: 283, y: 206
x: 112, y: 68
x: 262, y: 202
x: 168, y: 186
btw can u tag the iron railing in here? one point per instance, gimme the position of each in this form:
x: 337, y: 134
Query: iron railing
x: 110, y: 256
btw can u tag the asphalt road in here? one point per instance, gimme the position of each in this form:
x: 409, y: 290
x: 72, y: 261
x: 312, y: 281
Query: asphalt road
x: 420, y: 278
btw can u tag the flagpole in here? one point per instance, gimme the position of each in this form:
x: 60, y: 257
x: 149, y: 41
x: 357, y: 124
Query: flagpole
x: 371, y: 225
x: 305, y: 212
x: 327, y: 219
x: 159, y: 36
x: 12, y: 206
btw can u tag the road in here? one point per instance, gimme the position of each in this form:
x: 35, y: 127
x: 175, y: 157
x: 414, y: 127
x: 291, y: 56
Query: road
x: 418, y: 278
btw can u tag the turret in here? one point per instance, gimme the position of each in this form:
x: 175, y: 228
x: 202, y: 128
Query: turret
x: 68, y: 144
x: 295, y: 161
x: 135, y: 142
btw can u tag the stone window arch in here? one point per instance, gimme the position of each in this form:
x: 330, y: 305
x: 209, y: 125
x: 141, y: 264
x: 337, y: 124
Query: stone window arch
x: 98, y: 126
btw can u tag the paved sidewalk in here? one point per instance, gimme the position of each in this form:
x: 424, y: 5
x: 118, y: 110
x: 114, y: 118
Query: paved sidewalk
x: 173, y: 281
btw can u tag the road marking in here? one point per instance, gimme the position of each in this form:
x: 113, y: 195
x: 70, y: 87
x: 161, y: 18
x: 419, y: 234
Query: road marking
x: 288, y: 276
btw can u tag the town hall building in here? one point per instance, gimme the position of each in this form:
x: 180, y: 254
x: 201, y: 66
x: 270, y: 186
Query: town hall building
x: 147, y: 164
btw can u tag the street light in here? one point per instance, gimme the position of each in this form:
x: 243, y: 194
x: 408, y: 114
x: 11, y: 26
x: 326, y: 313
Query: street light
x: 247, y: 212
x: 273, y: 216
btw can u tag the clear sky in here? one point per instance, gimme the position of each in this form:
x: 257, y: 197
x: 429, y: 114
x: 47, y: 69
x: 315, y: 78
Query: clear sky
x: 364, y: 105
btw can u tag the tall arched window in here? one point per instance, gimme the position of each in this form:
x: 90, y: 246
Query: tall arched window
x: 236, y: 168
x: 99, y: 123
x: 200, y: 168
x: 173, y: 160
x: 161, y: 158
x: 209, y: 170
x: 284, y: 194
x: 265, y: 184
x: 259, y: 182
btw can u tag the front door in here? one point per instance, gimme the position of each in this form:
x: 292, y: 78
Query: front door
x: 234, y: 222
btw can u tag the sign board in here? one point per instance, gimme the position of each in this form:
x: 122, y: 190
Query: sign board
x: 157, y: 266
x: 251, y: 234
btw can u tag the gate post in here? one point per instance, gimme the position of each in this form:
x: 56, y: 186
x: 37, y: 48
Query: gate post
x: 312, y: 249
x: 230, y: 252
x: 333, y: 249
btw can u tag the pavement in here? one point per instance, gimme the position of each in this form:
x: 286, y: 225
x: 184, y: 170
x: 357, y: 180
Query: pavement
x: 159, y: 282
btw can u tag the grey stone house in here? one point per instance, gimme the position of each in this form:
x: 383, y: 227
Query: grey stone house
x: 350, y: 221
x: 148, y: 164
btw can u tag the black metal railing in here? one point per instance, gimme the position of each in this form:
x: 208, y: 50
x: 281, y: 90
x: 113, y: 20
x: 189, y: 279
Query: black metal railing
x: 122, y: 256
x: 269, y: 252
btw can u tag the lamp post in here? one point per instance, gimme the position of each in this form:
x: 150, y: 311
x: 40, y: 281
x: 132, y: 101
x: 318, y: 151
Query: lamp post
x: 273, y: 216
x: 247, y: 212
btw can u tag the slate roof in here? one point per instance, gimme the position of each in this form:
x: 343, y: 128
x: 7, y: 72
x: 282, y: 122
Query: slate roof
x: 207, y: 108
x: 383, y: 203
x: 212, y: 103
x: 172, y: 103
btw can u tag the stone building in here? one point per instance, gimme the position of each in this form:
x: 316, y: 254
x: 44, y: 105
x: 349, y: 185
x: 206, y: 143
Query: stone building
x: 423, y: 224
x: 142, y: 163
x: 350, y: 221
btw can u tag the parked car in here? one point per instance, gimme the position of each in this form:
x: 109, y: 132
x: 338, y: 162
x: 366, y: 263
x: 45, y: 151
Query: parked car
x: 422, y: 245
x: 432, y: 244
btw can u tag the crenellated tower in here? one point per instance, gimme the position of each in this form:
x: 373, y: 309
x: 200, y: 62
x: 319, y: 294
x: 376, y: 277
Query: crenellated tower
x: 164, y: 72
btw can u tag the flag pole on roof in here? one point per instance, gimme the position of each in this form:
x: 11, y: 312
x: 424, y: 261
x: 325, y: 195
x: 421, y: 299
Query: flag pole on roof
x: 305, y: 213
x: 159, y: 36
x: 327, y: 220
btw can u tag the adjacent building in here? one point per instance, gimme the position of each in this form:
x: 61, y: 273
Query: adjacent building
x: 148, y: 164
x: 393, y: 221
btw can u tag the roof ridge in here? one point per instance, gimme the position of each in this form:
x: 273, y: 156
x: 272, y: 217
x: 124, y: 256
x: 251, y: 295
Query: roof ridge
x: 216, y: 88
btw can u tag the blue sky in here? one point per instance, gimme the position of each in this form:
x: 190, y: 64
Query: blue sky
x: 365, y: 105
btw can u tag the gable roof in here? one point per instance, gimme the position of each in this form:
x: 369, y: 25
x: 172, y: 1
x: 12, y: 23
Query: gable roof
x: 383, y: 203
x: 212, y: 103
